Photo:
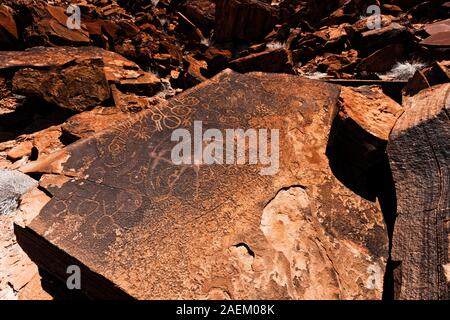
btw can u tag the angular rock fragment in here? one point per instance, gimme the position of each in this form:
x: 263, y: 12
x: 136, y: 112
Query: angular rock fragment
x: 437, y: 73
x: 338, y: 62
x: 76, y: 87
x: 217, y: 60
x: 196, y: 70
x: 201, y: 12
x: 118, y: 69
x: 36, y: 57
x: 88, y: 123
x: 370, y: 109
x: 8, y: 29
x: 127, y: 75
x: 244, y: 20
x: 267, y: 61
x: 75, y: 78
x: 316, y: 10
x: 34, y: 290
x: 23, y: 149
x: 141, y: 226
x: 441, y: 39
x: 358, y: 140
x: 438, y: 27
x: 50, y: 26
x: 383, y: 59
x: 420, y: 161
x: 380, y: 37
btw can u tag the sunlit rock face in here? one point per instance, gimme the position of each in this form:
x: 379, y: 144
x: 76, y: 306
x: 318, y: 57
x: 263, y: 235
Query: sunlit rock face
x: 144, y: 227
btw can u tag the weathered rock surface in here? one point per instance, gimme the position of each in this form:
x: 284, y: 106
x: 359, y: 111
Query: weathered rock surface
x: 181, y: 44
x: 243, y: 20
x: 117, y: 70
x: 359, y: 136
x: 380, y: 37
x: 435, y: 74
x: 418, y: 151
x: 8, y: 29
x: 383, y: 59
x: 439, y: 34
x: 49, y: 26
x: 79, y: 81
x: 75, y: 87
x: 145, y: 228
x: 201, y: 12
x: 267, y: 61
x: 371, y: 109
x: 74, y: 78
x: 158, y: 35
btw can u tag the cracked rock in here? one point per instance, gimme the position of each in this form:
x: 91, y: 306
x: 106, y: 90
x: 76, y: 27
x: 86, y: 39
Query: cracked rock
x: 299, y: 234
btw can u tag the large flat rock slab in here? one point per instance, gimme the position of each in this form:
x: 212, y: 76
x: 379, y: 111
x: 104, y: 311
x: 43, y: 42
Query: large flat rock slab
x: 141, y: 226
